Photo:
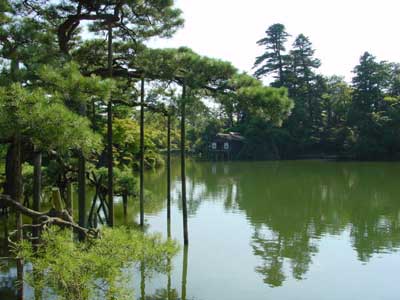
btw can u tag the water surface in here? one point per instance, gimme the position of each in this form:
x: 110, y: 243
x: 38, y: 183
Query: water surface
x: 307, y: 230
x: 282, y: 230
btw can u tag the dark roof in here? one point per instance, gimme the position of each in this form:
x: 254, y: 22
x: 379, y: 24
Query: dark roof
x: 231, y: 136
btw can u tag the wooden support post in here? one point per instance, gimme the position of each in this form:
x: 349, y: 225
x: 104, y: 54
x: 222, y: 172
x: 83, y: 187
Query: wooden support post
x: 37, y: 187
x: 169, y: 229
x: 18, y: 197
x: 82, y: 182
x: 183, y: 166
x: 125, y: 203
x: 56, y: 199
x: 110, y: 162
x: 5, y: 224
x: 94, y: 124
x: 82, y: 191
x: 141, y: 152
x: 169, y: 174
x: 70, y: 199
x: 110, y: 165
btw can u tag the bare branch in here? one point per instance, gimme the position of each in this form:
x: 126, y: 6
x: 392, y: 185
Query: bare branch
x: 53, y: 217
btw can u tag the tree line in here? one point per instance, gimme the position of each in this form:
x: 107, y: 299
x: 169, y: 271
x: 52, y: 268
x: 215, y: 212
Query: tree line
x: 359, y: 120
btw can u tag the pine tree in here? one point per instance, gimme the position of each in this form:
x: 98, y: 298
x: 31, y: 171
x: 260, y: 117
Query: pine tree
x: 274, y: 59
x: 368, y: 111
x: 305, y: 87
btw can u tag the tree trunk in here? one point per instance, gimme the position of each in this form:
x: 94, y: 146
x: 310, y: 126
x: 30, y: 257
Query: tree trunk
x: 110, y: 137
x: 82, y: 190
x: 70, y: 198
x: 141, y: 152
x: 37, y: 186
x: 13, y: 184
x: 125, y: 203
x: 13, y: 188
x: 169, y: 173
x: 82, y: 181
x: 183, y: 166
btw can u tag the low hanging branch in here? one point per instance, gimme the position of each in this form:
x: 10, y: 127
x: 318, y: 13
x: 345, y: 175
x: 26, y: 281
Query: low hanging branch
x: 52, y: 217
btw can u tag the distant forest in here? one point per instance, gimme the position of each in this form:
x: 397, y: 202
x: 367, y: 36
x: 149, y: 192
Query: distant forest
x: 329, y: 117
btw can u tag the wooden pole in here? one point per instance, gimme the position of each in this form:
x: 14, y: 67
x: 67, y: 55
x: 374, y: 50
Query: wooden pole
x: 56, y: 199
x: 82, y: 191
x: 183, y: 166
x: 110, y: 163
x: 125, y: 203
x: 82, y: 182
x: 141, y: 152
x: 70, y: 199
x: 18, y: 195
x: 169, y: 174
x: 37, y: 186
x: 37, y: 180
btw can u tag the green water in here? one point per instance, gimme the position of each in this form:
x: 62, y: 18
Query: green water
x: 283, y: 230
x: 307, y: 230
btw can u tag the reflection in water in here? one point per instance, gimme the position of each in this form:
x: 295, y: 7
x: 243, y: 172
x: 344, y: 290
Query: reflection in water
x: 20, y: 279
x: 288, y: 208
x: 7, y: 281
x: 142, y: 282
x: 169, y: 293
x: 8, y: 268
x: 184, y: 271
x: 273, y: 249
x: 292, y: 205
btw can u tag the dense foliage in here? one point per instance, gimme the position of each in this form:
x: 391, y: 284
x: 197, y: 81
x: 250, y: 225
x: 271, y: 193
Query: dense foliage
x: 330, y: 116
x: 66, y: 269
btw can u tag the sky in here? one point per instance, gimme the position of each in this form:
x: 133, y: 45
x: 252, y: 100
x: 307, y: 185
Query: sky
x: 340, y: 31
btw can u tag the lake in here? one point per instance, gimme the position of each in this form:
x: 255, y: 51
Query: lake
x: 277, y: 230
x: 284, y: 230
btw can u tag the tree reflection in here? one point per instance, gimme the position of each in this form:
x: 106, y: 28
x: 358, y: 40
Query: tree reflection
x: 291, y: 205
x: 8, y: 279
x: 169, y: 293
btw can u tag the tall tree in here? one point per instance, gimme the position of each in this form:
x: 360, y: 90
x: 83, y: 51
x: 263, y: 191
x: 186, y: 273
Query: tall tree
x: 274, y: 58
x: 304, y: 61
x: 306, y: 89
x: 304, y: 64
x: 369, y: 83
x: 368, y: 109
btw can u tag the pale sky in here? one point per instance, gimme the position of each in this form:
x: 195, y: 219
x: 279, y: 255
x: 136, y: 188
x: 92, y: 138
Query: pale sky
x: 341, y: 31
